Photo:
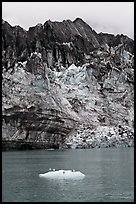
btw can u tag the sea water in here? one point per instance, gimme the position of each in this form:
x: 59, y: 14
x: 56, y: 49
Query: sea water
x: 109, y: 175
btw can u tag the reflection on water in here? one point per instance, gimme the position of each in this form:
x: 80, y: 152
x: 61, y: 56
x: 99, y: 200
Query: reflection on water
x: 109, y: 175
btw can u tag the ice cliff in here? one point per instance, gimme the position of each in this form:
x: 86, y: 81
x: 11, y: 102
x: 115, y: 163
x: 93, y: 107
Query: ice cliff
x: 64, y: 85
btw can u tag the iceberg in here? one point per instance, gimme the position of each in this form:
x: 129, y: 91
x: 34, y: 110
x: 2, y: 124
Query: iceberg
x: 63, y: 174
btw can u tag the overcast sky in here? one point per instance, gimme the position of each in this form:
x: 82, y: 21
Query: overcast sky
x: 110, y: 17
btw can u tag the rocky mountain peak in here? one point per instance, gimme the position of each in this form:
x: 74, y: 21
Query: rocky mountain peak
x: 78, y: 19
x: 81, y: 22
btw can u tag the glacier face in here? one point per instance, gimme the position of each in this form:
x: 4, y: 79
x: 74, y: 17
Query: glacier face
x: 86, y: 102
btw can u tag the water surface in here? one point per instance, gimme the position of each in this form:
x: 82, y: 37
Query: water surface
x: 109, y: 175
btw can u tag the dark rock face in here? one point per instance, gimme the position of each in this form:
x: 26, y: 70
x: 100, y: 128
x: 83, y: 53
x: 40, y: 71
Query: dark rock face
x: 34, y: 126
x: 113, y: 41
x: 39, y: 102
x: 58, y: 42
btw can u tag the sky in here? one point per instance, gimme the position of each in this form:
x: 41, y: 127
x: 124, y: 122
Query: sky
x: 108, y: 17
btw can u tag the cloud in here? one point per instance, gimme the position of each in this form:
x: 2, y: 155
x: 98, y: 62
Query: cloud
x: 110, y: 17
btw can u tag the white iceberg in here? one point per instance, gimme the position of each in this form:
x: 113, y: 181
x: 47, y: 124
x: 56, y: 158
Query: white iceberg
x: 63, y: 174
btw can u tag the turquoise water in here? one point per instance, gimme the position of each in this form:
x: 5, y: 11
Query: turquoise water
x: 109, y: 175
